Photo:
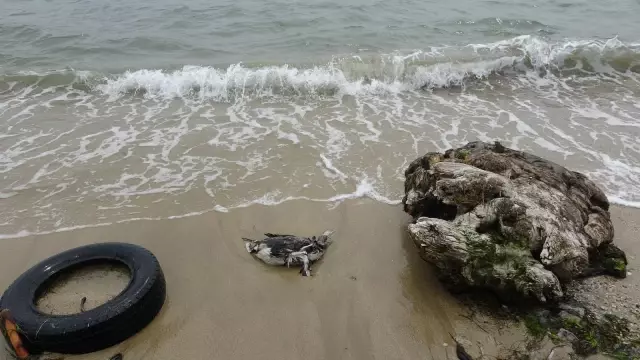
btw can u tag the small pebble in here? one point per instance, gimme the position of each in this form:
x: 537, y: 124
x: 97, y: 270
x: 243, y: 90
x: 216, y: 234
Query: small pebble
x: 445, y: 344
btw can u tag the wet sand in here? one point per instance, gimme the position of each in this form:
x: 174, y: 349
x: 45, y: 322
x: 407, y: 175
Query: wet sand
x: 612, y: 295
x: 96, y: 284
x: 372, y: 297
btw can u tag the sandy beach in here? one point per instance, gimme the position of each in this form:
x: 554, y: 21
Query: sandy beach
x: 372, y: 297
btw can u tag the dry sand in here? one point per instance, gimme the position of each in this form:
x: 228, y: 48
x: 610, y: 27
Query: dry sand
x: 371, y: 297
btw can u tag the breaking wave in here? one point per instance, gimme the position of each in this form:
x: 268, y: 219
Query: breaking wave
x: 435, y: 67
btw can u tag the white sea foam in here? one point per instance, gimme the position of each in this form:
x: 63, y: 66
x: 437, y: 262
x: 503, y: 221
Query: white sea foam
x: 623, y: 202
x: 364, y: 189
x: 328, y: 164
x: 7, y: 195
x: 220, y: 208
x: 26, y: 233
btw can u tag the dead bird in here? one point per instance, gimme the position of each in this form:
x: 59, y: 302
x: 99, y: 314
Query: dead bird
x: 287, y: 250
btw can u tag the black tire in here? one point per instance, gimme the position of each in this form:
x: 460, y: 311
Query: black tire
x: 96, y: 329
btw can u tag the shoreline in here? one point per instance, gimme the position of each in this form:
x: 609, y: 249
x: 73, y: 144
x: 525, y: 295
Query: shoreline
x: 372, y: 296
x: 335, y: 201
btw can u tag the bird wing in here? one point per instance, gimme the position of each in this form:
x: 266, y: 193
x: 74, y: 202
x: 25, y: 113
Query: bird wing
x: 285, y: 245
